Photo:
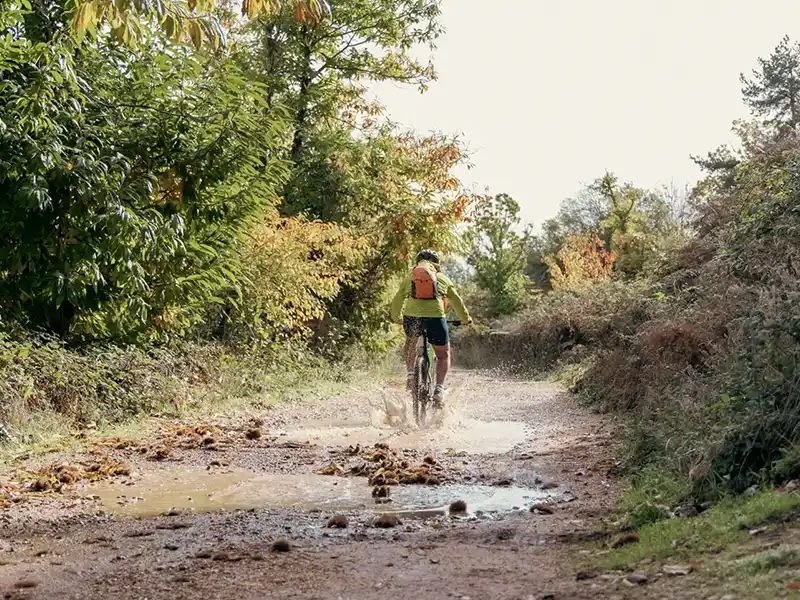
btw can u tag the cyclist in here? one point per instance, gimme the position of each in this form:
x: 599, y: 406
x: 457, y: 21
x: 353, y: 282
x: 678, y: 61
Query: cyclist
x: 422, y: 301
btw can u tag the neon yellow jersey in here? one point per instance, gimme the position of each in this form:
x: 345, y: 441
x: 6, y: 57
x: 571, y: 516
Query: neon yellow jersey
x: 404, y: 305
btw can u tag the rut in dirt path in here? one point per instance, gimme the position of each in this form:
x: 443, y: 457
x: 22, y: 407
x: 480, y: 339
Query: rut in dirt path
x: 502, y: 447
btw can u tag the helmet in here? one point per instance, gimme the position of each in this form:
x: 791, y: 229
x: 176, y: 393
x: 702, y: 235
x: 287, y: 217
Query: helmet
x: 429, y: 255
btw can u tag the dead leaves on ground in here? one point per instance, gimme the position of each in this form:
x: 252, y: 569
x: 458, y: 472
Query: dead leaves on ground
x: 55, y: 478
x: 384, y: 467
x: 181, y: 437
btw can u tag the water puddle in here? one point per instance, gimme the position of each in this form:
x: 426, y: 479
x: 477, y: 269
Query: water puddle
x: 466, y: 435
x: 419, y: 501
x: 390, y: 420
x: 203, y: 491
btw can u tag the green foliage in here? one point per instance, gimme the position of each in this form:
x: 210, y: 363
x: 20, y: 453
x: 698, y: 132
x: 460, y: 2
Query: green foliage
x: 106, y: 384
x: 127, y: 195
x: 637, y: 230
x: 499, y: 254
x: 247, y: 197
x: 773, y: 91
x: 50, y: 389
x: 724, y: 526
x: 295, y: 268
x: 393, y: 190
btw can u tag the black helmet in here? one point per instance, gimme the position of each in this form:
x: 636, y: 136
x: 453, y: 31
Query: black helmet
x: 429, y: 255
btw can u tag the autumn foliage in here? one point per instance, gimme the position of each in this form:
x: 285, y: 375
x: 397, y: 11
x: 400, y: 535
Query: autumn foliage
x: 582, y: 260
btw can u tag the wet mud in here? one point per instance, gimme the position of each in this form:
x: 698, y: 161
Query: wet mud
x: 340, y: 498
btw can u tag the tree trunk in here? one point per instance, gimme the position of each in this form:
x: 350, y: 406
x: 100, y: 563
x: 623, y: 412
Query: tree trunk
x: 301, y: 116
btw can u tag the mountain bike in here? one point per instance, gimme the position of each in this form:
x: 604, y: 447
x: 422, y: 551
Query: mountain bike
x: 424, y: 375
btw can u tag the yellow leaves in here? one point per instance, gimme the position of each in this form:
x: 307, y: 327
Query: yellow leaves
x: 305, y: 11
x: 181, y: 19
x: 251, y: 8
x: 296, y: 266
x: 86, y: 18
x: 581, y: 260
x: 195, y: 33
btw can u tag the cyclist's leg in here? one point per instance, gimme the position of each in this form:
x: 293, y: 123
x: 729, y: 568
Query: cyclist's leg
x: 412, y: 327
x: 439, y: 337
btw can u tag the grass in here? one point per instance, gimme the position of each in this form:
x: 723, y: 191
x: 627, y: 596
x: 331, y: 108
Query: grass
x: 240, y: 393
x: 721, y: 527
x: 729, y: 559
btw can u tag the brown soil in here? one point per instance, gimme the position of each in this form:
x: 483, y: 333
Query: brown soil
x: 60, y: 544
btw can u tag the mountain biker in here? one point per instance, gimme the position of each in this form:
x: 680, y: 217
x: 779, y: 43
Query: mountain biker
x: 422, y: 301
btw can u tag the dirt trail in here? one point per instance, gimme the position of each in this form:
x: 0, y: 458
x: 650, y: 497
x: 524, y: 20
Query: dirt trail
x: 502, y: 447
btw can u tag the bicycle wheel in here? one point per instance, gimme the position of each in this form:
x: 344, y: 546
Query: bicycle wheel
x: 423, y: 380
x: 417, y: 395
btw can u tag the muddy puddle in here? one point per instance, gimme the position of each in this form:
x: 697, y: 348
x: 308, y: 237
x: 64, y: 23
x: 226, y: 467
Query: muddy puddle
x: 203, y: 491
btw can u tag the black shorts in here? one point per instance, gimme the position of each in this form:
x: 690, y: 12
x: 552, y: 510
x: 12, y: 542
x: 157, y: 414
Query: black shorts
x: 435, y: 328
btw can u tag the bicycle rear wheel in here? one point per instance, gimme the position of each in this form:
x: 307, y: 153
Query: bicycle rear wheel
x: 422, y: 380
x: 416, y: 390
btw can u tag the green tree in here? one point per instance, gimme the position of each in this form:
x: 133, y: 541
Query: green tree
x: 321, y: 70
x: 131, y: 176
x: 773, y: 90
x: 350, y: 166
x: 499, y: 253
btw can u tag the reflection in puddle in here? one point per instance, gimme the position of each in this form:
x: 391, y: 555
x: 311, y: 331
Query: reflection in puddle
x: 203, y: 491
x: 426, y: 500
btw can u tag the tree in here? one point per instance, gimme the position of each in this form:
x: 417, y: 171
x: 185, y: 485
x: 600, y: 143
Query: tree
x: 319, y: 70
x: 145, y: 184
x: 196, y: 21
x: 773, y: 90
x: 582, y: 260
x: 636, y: 225
x: 499, y: 253
x: 396, y: 191
x: 130, y: 178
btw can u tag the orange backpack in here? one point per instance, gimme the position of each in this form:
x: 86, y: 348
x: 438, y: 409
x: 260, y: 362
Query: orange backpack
x: 424, y: 285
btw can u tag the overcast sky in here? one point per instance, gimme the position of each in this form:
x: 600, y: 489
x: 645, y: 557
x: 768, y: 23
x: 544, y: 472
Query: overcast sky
x: 550, y: 93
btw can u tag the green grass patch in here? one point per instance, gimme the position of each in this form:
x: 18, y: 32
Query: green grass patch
x: 721, y: 527
x: 653, y: 493
x: 768, y: 560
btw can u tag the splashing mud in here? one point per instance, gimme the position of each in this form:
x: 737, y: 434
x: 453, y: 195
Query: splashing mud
x: 390, y: 419
x: 197, y: 490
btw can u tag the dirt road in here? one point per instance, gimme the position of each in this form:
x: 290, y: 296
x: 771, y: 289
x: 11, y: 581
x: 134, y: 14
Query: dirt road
x: 238, y: 508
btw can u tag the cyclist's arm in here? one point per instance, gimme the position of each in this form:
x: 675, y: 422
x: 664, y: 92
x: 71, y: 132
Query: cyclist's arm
x: 400, y: 298
x: 457, y: 303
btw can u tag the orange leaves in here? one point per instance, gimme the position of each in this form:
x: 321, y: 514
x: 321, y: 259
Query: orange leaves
x: 460, y: 206
x: 305, y: 11
x: 581, y: 260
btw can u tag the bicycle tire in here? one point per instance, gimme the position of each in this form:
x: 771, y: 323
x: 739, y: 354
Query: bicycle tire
x: 416, y: 387
x: 422, y: 380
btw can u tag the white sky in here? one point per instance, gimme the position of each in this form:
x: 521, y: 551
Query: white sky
x: 550, y: 93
